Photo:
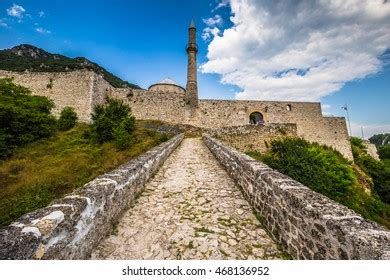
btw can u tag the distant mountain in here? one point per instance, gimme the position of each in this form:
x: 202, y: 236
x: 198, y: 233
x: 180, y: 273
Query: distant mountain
x: 27, y: 57
x: 380, y: 139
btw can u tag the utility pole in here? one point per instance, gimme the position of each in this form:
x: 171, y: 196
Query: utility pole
x: 349, y: 122
x: 362, y: 133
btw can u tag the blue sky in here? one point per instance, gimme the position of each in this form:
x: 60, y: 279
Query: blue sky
x: 144, y: 42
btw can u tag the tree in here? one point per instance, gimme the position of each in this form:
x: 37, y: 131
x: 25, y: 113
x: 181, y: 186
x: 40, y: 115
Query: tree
x: 384, y: 152
x: 23, y: 118
x: 68, y: 119
x: 112, y: 116
x: 122, y: 137
x: 377, y: 170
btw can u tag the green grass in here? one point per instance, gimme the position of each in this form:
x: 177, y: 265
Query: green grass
x: 52, y: 167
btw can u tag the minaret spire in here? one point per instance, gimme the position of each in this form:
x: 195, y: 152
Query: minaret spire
x: 192, y: 24
x: 192, y: 83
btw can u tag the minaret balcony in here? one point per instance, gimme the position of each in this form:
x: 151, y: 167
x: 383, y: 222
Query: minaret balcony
x: 192, y: 47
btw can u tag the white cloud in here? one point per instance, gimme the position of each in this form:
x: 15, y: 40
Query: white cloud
x: 209, y: 33
x: 16, y: 11
x: 221, y: 4
x: 41, y: 13
x: 299, y: 50
x: 325, y: 108
x: 213, y: 21
x: 42, y: 30
x: 369, y: 129
x: 211, y: 30
x: 3, y: 23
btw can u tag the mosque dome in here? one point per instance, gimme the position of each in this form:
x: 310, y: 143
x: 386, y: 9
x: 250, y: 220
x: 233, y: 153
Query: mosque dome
x: 167, y: 85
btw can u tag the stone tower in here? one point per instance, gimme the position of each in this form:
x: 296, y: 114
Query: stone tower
x: 192, y: 84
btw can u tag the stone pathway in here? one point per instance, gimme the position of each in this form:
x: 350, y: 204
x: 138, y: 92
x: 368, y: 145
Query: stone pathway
x: 190, y: 209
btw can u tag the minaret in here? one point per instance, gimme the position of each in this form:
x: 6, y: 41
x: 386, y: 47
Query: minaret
x: 192, y: 84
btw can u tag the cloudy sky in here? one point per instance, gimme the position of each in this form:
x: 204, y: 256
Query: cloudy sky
x: 333, y: 51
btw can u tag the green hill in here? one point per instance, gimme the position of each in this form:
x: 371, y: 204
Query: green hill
x: 382, y: 143
x: 27, y: 57
x: 380, y: 139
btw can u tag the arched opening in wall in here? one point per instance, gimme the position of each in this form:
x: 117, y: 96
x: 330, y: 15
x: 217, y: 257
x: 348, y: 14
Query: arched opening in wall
x: 256, y: 118
x: 288, y: 107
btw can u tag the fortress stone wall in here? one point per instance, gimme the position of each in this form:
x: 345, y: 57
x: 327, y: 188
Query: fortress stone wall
x: 212, y: 114
x: 154, y: 105
x: 83, y: 89
x: 371, y: 149
x: 253, y: 137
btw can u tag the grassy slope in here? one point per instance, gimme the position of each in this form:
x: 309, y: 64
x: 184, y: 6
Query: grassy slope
x: 52, y: 167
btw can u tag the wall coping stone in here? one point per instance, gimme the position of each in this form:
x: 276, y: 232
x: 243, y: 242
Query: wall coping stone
x: 70, y: 227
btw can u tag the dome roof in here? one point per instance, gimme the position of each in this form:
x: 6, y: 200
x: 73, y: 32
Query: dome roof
x: 168, y: 81
x: 167, y: 85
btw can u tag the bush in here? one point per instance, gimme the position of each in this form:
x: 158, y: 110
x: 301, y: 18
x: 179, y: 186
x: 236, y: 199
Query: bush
x: 377, y: 170
x: 23, y: 118
x: 122, y: 137
x: 114, y: 115
x: 384, y: 152
x: 164, y: 137
x: 318, y: 167
x: 326, y: 171
x: 68, y: 119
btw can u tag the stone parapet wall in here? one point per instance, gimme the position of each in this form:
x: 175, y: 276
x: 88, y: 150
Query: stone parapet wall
x: 308, y: 225
x: 69, y: 228
x: 253, y: 137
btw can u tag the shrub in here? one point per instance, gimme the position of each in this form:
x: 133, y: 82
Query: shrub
x: 109, y: 116
x: 326, y: 171
x: 318, y: 167
x: 384, y: 152
x: 377, y: 170
x: 23, y: 118
x: 357, y: 143
x: 163, y: 137
x: 122, y: 137
x: 68, y: 119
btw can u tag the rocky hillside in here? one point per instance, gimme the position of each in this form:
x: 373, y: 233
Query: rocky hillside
x: 380, y: 139
x: 27, y: 57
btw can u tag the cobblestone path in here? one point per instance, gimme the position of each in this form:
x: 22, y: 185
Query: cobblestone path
x: 190, y: 209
